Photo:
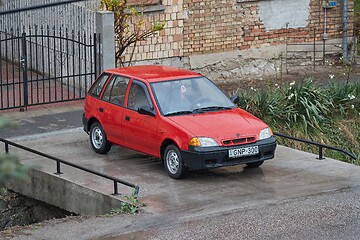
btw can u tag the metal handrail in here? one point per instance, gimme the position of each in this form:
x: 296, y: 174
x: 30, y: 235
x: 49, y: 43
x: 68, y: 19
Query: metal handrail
x: 320, y: 145
x: 58, y: 171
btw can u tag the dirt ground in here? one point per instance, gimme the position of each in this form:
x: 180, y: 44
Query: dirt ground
x: 320, y: 75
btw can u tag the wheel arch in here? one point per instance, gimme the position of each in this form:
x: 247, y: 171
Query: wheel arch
x: 90, y: 122
x: 164, y: 144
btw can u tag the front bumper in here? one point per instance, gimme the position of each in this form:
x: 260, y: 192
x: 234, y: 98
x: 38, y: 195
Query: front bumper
x: 212, y: 157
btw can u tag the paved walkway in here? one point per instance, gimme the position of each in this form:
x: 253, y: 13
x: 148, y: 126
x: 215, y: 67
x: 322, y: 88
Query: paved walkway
x: 291, y: 174
x: 43, y: 118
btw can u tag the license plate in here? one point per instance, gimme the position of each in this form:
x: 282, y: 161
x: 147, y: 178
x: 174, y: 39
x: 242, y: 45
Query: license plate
x: 244, y: 151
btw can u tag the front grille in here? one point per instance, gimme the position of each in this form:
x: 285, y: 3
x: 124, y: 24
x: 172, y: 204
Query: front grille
x: 238, y: 141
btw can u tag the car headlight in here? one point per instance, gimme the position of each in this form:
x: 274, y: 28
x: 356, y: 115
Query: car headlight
x: 265, y: 133
x: 203, y: 142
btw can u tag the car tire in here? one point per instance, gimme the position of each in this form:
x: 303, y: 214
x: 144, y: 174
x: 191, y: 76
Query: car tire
x: 254, y: 164
x: 98, y: 139
x: 173, y: 162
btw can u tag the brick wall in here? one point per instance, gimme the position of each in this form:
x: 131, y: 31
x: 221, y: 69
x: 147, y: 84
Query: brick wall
x: 168, y: 43
x: 228, y: 25
x: 195, y: 27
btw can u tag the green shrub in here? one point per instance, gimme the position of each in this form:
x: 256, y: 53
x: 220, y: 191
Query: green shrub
x: 308, y: 107
x: 329, y: 114
x: 130, y: 205
x: 303, y: 106
x: 345, y: 98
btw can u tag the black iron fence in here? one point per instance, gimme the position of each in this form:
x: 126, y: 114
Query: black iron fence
x: 42, y: 65
x: 58, y: 161
x: 319, y: 145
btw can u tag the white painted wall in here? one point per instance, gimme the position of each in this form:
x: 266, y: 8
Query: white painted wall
x: 77, y: 17
x: 276, y: 13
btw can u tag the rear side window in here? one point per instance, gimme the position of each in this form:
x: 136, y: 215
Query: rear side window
x: 115, y: 90
x: 96, y: 88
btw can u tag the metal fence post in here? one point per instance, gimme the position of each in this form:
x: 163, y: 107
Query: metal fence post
x: 24, y: 64
x: 321, y: 153
x: 116, y: 191
x: 6, y: 148
x: 58, y: 171
x: 96, y: 55
x: 345, y: 29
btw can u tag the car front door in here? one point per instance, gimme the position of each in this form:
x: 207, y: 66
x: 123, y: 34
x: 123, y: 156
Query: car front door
x: 140, y: 130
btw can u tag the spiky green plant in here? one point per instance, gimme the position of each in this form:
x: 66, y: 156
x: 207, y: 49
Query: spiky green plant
x: 345, y: 98
x: 329, y: 114
x: 309, y: 106
x: 302, y: 105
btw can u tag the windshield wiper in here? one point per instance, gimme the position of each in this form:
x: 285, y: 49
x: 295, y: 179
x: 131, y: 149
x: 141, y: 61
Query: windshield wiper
x: 178, y: 113
x: 210, y: 109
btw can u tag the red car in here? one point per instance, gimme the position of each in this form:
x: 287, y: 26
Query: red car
x: 176, y: 115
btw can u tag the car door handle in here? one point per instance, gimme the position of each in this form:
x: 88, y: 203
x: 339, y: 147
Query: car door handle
x: 101, y: 109
x: 127, y: 118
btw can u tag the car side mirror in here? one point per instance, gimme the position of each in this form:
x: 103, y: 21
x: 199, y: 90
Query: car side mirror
x: 146, y: 110
x: 235, y: 99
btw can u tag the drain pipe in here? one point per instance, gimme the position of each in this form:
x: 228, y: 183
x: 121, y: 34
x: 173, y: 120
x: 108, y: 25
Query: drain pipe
x: 325, y: 35
x: 345, y: 29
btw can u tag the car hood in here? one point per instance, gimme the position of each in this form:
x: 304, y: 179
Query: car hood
x: 221, y: 125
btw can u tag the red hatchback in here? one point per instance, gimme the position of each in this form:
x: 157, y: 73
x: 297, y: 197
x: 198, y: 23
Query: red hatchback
x: 174, y: 114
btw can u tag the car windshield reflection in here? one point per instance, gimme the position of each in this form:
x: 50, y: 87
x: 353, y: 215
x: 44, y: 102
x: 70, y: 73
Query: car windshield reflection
x: 189, y: 96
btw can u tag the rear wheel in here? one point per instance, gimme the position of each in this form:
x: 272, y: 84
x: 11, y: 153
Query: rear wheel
x: 98, y: 139
x: 173, y: 162
x: 254, y: 164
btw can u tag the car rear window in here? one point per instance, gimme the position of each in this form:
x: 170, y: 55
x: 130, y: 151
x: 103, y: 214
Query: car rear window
x: 97, y: 87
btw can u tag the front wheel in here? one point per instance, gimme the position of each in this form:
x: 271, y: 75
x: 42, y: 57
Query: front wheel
x: 98, y: 139
x: 173, y: 162
x: 254, y: 164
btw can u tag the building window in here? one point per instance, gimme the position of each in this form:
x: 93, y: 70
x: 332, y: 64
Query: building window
x: 147, y: 5
x: 243, y: 1
x: 144, y: 2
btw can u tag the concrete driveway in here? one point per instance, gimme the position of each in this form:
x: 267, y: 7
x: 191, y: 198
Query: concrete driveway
x: 286, y: 197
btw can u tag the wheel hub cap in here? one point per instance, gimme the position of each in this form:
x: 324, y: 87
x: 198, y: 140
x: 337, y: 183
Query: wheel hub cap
x: 97, y: 138
x: 172, y: 161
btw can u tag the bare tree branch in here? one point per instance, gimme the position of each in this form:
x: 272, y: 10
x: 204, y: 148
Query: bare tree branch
x: 130, y: 27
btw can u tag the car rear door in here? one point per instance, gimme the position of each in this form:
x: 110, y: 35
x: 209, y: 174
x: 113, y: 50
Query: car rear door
x: 140, y: 130
x: 112, y: 107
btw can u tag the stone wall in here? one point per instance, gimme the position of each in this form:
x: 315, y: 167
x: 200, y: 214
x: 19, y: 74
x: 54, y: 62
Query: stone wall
x: 18, y: 210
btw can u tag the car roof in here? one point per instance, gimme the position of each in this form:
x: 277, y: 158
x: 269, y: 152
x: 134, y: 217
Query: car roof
x: 154, y: 73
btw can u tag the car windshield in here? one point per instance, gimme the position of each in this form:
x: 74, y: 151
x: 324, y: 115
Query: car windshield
x: 189, y: 96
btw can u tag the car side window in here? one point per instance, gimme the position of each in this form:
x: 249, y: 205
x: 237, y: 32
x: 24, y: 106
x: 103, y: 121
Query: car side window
x: 138, y: 96
x: 96, y: 88
x: 116, y: 89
